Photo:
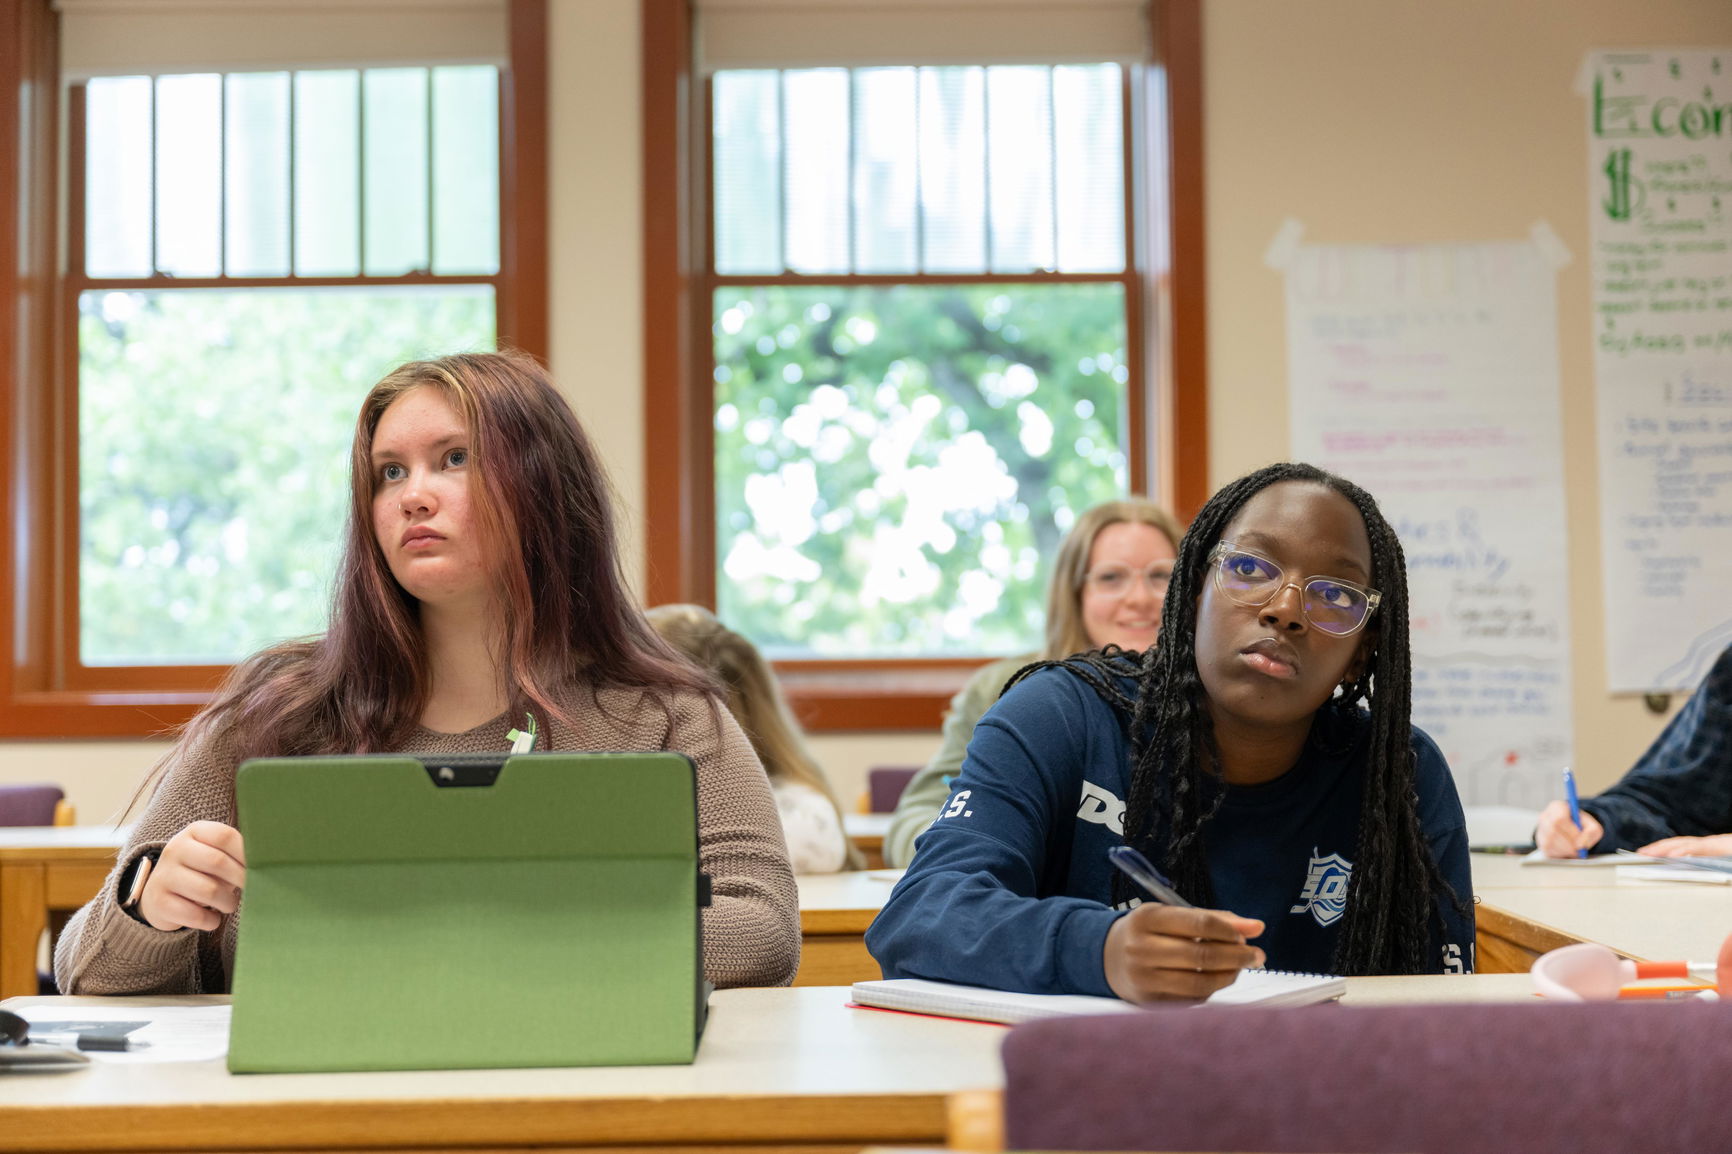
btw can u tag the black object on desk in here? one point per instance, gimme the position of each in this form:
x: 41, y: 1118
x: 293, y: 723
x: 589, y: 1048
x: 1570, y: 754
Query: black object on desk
x: 18, y: 1051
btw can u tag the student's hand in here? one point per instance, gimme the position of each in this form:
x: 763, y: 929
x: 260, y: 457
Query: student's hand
x: 197, y: 879
x: 1159, y: 952
x: 1557, y: 835
x: 1719, y: 845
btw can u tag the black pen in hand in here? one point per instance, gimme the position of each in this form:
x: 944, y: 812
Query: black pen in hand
x: 1138, y: 868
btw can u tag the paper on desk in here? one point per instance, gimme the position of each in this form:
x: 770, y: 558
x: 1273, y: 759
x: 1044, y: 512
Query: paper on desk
x: 1538, y: 858
x: 171, y: 1033
x: 1695, y: 863
x: 1672, y: 873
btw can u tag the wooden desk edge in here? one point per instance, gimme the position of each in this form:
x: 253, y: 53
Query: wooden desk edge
x: 54, y: 854
x: 836, y: 921
x: 491, y: 1124
x: 1508, y: 943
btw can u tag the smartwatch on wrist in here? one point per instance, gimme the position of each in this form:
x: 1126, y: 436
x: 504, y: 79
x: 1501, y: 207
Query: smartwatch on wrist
x: 132, y: 881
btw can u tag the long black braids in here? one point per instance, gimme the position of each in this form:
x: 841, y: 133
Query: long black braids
x: 1176, y: 783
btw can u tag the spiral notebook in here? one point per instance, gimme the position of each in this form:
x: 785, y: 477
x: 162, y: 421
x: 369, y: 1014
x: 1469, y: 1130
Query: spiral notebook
x: 918, y: 996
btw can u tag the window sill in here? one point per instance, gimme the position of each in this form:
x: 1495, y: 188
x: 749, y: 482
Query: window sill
x: 877, y: 699
x: 827, y: 698
x: 84, y: 714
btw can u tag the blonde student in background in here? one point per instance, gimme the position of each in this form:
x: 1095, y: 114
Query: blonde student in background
x: 480, y: 582
x: 811, y: 817
x: 1107, y: 588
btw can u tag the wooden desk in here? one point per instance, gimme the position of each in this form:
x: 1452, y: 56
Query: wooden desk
x: 867, y: 831
x: 45, y: 870
x: 835, y: 910
x: 777, y: 1069
x: 1526, y: 910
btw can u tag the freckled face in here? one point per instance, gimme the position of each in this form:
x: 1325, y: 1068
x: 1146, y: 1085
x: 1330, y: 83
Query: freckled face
x: 1133, y: 620
x: 421, y: 500
x: 1266, y: 667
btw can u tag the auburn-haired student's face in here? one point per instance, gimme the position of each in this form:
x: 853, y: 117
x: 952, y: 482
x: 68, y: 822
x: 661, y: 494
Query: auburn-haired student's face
x: 421, y: 500
x: 1270, y: 665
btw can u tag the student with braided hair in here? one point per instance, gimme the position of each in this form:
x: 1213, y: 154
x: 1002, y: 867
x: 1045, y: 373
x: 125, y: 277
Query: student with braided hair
x: 1261, y: 753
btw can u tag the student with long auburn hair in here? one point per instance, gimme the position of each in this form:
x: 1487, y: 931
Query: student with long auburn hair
x: 480, y: 581
x: 1107, y: 587
x: 1261, y: 753
x: 811, y: 816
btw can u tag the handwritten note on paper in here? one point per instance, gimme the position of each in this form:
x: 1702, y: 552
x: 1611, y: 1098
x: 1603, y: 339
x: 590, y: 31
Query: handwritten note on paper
x: 1429, y: 376
x: 1660, y: 180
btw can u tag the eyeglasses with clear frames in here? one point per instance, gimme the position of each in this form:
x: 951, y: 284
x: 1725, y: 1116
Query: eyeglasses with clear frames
x: 1115, y: 581
x: 1337, y: 607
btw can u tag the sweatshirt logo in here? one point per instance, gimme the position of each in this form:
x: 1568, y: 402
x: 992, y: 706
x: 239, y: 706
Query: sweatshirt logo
x: 1102, y: 808
x: 1325, y: 894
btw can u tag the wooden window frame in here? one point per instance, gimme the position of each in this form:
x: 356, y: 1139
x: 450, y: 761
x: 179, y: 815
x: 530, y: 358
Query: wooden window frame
x: 1165, y: 295
x: 44, y: 691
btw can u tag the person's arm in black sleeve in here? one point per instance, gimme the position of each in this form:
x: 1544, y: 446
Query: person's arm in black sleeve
x: 1682, y: 785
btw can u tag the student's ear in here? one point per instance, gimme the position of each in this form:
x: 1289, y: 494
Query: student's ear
x: 1362, y: 657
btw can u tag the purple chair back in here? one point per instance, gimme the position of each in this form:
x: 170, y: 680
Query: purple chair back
x: 29, y: 804
x: 1584, y: 1077
x: 884, y: 786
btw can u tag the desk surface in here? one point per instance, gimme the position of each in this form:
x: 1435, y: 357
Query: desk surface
x: 1493, y: 871
x: 776, y: 1067
x: 1659, y: 921
x: 867, y: 828
x: 80, y: 842
x: 844, y: 902
x: 1537, y: 908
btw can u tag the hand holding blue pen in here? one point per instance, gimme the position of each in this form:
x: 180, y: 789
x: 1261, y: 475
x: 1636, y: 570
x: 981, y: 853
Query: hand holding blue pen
x: 1575, y: 805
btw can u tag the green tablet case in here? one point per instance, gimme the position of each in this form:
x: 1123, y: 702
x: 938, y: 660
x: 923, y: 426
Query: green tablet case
x: 392, y: 923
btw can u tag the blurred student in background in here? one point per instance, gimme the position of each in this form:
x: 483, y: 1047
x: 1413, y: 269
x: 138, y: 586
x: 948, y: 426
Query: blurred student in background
x: 1107, y: 588
x: 1676, y: 799
x: 811, y: 818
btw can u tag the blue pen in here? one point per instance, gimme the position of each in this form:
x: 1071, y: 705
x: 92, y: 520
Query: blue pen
x: 1138, y: 869
x: 1575, y: 805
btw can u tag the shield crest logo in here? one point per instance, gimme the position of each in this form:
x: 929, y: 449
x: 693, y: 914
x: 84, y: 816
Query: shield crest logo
x: 1325, y: 894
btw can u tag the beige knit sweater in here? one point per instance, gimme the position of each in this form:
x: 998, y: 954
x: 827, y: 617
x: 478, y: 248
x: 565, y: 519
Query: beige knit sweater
x: 751, y: 930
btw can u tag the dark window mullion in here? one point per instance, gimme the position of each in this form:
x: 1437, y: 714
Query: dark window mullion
x: 782, y: 166
x: 919, y: 178
x: 986, y: 157
x: 155, y: 152
x: 170, y: 281
x: 222, y: 174
x: 1052, y: 156
x: 853, y: 173
x: 361, y: 171
x: 294, y: 101
x: 427, y: 87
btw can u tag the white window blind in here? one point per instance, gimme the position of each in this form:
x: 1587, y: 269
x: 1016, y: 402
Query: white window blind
x: 732, y: 34
x: 136, y: 37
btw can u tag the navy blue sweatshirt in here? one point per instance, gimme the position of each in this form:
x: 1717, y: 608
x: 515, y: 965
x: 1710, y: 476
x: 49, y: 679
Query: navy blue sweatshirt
x: 1010, y: 887
x: 1682, y: 786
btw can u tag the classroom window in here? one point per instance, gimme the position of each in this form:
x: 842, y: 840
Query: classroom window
x: 257, y: 249
x: 922, y: 357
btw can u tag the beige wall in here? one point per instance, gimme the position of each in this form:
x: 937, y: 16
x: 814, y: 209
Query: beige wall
x: 1407, y: 123
x: 1370, y: 121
